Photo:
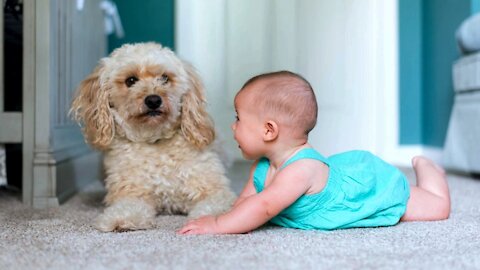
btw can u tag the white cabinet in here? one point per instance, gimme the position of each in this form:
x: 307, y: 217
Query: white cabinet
x: 61, y: 45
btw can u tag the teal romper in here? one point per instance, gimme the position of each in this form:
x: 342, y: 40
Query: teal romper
x: 361, y: 191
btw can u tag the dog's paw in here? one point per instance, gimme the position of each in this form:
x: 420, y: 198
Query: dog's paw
x: 125, y: 215
x: 108, y: 224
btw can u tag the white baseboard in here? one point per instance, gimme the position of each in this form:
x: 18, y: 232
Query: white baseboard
x: 402, y: 155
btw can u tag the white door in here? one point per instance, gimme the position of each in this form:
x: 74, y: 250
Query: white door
x: 345, y: 48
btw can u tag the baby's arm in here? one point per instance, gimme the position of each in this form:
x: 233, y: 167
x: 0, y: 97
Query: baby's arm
x: 249, y: 188
x: 255, y: 210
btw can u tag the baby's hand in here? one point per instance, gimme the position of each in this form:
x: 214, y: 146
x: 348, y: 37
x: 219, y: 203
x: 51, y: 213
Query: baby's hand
x: 202, y: 225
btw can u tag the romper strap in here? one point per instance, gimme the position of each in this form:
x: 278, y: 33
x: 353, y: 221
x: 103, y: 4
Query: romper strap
x: 260, y: 174
x: 307, y: 153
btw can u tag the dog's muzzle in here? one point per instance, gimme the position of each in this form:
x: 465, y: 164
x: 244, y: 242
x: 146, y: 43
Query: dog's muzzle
x: 153, y: 103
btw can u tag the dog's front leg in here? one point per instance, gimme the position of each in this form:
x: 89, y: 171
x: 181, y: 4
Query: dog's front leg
x: 127, y: 213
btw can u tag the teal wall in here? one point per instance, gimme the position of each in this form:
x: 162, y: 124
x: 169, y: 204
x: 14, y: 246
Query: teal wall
x: 475, y: 6
x: 145, y: 20
x: 427, y: 49
x: 441, y: 20
x: 410, y: 71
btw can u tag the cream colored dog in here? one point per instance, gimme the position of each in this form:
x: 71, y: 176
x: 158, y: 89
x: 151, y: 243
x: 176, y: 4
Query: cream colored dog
x: 145, y: 108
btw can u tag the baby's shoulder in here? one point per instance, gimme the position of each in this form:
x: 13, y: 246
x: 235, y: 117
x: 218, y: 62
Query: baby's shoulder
x: 307, y: 167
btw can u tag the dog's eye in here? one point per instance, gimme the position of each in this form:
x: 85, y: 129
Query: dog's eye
x: 131, y: 81
x: 164, y: 79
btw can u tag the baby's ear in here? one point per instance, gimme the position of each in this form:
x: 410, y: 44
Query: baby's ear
x: 90, y: 109
x: 197, y: 126
x: 270, y: 131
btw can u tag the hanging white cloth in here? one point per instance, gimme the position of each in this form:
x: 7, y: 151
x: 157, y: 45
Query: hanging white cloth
x: 112, y: 18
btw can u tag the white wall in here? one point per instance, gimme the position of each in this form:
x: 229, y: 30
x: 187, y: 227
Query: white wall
x: 346, y: 49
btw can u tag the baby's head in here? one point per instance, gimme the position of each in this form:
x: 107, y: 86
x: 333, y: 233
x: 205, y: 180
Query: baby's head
x: 285, y: 97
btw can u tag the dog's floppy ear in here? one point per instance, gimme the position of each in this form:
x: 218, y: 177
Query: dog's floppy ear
x: 90, y: 108
x: 196, y: 125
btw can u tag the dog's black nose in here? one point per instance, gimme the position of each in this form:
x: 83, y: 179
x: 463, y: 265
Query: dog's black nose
x: 153, y: 101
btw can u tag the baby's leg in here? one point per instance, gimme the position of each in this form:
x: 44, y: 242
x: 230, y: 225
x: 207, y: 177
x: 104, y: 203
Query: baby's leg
x: 430, y: 199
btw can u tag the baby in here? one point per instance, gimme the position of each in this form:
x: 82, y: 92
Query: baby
x: 294, y: 186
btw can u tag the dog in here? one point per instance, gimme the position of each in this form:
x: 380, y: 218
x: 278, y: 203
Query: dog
x: 144, y: 108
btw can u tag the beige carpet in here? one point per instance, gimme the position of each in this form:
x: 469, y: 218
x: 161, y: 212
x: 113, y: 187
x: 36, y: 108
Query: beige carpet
x: 63, y: 238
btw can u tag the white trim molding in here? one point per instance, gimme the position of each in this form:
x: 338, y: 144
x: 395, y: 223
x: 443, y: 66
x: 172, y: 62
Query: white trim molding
x: 403, y: 154
x: 54, y: 153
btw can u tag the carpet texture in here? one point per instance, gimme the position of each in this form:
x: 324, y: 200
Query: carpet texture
x: 62, y: 238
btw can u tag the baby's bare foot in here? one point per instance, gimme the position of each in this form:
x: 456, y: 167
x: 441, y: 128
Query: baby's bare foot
x: 421, y: 161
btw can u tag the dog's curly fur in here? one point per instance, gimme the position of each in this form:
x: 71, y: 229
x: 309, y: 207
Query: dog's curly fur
x: 157, y: 159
